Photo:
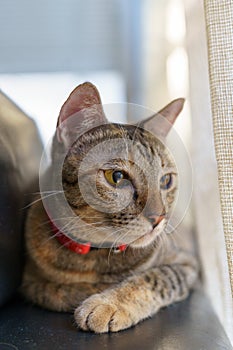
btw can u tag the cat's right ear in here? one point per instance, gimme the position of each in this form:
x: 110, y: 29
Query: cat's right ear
x: 81, y: 112
x: 160, y: 123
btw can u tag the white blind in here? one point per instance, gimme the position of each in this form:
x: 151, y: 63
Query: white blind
x: 59, y: 35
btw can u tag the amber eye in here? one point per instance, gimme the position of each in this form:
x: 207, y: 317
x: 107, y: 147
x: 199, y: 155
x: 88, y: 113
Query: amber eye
x: 114, y: 177
x: 166, y: 181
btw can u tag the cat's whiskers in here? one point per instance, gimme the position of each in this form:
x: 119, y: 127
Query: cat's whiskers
x: 161, y: 241
x: 55, y: 219
x: 110, y: 235
x: 52, y: 236
x: 114, y: 244
x: 76, y: 223
x: 85, y: 237
x: 51, y: 193
x: 92, y: 229
x: 68, y: 227
x: 75, y: 217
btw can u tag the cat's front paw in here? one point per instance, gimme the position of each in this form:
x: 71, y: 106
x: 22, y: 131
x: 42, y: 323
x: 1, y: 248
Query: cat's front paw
x: 100, y: 315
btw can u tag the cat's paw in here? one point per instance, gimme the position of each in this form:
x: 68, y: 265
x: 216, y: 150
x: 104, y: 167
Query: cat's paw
x: 100, y: 315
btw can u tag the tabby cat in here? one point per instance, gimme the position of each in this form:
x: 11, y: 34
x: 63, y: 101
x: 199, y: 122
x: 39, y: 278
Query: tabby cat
x: 110, y: 260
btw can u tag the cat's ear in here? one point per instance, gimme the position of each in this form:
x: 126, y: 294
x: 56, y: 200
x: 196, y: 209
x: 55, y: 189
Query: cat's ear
x: 161, y: 123
x: 81, y: 112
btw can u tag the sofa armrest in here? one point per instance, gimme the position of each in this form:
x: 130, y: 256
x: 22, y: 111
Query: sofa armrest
x: 20, y: 153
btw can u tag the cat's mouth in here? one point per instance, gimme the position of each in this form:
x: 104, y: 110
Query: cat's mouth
x: 148, y: 237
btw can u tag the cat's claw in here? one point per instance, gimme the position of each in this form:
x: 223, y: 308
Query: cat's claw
x: 100, y: 316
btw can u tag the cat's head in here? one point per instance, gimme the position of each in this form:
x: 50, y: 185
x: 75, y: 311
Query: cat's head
x: 119, y: 180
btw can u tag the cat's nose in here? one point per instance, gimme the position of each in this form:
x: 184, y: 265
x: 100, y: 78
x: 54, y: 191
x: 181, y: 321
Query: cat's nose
x: 155, y: 219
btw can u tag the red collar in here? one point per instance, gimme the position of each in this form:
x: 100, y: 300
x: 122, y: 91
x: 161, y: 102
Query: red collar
x: 74, y: 246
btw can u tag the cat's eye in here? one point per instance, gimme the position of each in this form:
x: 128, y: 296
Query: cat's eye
x: 114, y: 177
x: 166, y: 181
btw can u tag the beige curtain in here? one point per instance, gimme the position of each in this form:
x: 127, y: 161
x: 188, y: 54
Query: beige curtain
x: 219, y: 24
x: 209, y: 43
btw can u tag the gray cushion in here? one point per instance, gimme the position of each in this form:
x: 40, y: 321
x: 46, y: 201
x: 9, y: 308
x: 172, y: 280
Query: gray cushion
x: 189, y: 325
x: 20, y: 152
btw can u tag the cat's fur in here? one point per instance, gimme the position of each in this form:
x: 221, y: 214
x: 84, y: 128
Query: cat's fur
x: 110, y: 291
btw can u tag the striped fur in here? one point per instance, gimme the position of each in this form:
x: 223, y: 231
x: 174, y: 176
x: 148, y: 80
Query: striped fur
x: 109, y: 291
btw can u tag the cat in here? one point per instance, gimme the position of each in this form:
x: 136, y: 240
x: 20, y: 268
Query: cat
x: 111, y: 261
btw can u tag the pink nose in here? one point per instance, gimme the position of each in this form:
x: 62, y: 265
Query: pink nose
x: 155, y: 219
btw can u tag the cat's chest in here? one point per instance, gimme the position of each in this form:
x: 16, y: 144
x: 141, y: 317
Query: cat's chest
x: 63, y: 265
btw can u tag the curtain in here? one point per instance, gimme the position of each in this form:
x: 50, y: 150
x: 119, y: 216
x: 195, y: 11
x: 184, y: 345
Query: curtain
x: 209, y: 43
x: 219, y: 24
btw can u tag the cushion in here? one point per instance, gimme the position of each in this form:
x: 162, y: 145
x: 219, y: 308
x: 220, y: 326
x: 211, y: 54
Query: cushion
x: 20, y: 153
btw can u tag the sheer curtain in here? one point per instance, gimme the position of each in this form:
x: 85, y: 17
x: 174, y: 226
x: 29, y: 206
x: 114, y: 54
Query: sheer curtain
x: 213, y: 139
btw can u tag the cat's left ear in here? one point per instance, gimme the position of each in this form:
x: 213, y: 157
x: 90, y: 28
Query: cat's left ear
x: 161, y: 123
x: 81, y: 112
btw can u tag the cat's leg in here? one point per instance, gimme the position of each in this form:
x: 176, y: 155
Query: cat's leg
x: 136, y: 298
x: 55, y: 296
